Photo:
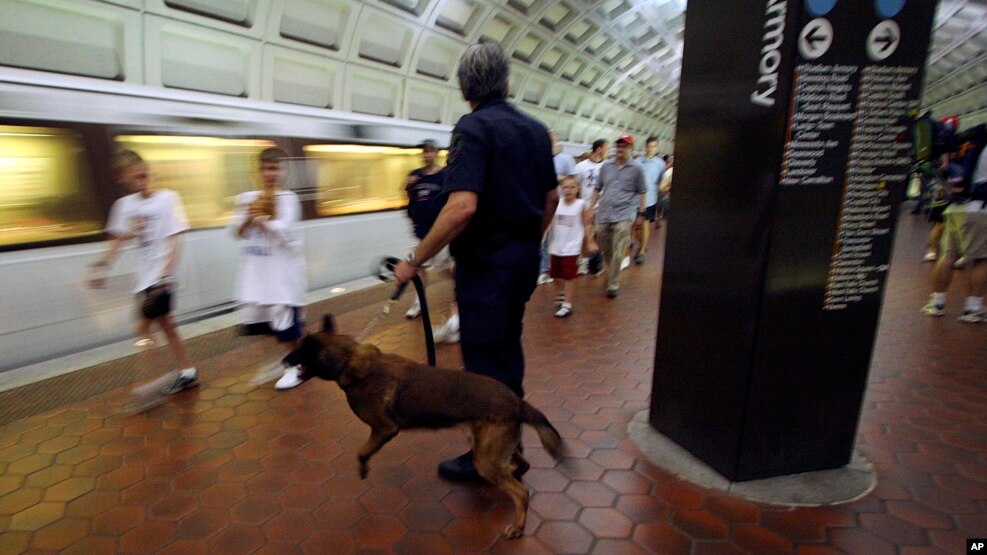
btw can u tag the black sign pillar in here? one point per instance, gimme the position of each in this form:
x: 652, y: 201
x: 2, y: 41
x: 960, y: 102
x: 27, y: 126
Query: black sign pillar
x: 787, y: 183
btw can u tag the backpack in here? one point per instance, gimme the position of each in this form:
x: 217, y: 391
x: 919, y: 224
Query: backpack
x: 971, y: 149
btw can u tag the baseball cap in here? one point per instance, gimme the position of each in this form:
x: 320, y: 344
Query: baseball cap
x: 428, y: 143
x: 625, y: 139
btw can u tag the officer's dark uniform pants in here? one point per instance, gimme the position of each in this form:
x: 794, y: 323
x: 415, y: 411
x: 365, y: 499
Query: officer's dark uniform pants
x: 491, y: 309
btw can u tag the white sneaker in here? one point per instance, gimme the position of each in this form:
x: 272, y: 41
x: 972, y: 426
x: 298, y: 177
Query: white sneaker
x: 439, y: 333
x: 544, y: 278
x: 290, y: 379
x: 973, y: 316
x: 625, y: 263
x: 415, y: 311
x: 452, y: 329
x: 933, y: 309
x: 448, y: 332
x: 564, y: 310
x: 930, y: 256
x: 960, y: 263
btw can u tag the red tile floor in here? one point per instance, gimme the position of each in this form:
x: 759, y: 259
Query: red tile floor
x: 232, y: 468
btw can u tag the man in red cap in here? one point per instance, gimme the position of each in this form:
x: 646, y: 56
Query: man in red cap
x: 620, y: 192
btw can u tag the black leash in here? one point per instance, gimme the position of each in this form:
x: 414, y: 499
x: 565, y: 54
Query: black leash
x: 386, y: 273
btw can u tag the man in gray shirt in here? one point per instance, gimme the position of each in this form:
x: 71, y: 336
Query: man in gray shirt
x: 620, y: 192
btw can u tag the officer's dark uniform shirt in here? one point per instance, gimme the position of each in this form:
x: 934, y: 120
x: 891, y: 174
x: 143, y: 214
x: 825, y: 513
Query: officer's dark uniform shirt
x: 505, y: 157
x: 425, y: 200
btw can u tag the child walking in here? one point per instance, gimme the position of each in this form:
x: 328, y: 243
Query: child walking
x: 272, y: 281
x: 153, y: 219
x: 570, y: 239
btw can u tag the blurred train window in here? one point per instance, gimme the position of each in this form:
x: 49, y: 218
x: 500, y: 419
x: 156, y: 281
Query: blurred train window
x: 46, y: 186
x: 207, y: 172
x: 359, y: 178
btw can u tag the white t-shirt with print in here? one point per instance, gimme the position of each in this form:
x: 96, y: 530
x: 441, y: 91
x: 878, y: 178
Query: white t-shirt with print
x: 568, y: 229
x: 587, y: 173
x: 150, y: 221
x: 272, y: 271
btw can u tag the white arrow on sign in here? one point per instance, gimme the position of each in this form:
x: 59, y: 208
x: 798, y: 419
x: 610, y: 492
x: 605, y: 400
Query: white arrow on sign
x: 883, y: 40
x: 816, y: 38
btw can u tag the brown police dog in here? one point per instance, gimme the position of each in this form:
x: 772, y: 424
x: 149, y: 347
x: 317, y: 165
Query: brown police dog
x: 391, y: 393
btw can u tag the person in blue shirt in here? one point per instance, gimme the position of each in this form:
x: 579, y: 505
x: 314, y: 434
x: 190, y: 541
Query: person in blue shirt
x: 502, y: 194
x: 654, y: 168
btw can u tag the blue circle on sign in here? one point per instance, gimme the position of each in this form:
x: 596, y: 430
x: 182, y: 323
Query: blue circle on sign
x: 888, y: 8
x: 819, y: 8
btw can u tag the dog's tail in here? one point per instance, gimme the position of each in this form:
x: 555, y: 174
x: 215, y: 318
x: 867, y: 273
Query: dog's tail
x: 547, y: 433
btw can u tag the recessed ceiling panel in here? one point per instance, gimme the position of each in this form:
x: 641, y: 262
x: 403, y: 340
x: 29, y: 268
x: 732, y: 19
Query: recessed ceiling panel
x: 384, y: 39
x: 498, y: 29
x: 557, y: 16
x: 414, y: 7
x: 438, y: 57
x: 459, y: 16
x: 238, y: 12
x: 317, y: 23
x: 36, y: 36
x: 573, y: 69
x: 580, y: 31
x: 528, y: 48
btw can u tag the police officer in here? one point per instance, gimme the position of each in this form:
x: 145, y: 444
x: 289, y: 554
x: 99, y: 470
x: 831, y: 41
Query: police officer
x: 501, y: 187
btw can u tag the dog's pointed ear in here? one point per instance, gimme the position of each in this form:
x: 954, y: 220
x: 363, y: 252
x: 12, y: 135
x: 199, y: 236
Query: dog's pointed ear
x: 328, y: 324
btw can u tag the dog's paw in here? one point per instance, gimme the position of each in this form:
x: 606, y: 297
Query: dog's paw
x: 512, y: 532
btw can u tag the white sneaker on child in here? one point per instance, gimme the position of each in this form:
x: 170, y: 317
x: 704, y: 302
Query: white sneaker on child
x: 564, y: 310
x: 625, y: 263
x: 290, y: 379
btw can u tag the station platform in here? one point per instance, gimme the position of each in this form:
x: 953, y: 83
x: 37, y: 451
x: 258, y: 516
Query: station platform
x: 230, y: 467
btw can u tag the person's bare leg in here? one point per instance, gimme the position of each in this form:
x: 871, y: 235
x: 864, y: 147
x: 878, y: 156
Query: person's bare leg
x: 976, y: 278
x: 942, y: 276
x: 935, y: 237
x: 570, y: 289
x: 144, y: 336
x: 175, y: 342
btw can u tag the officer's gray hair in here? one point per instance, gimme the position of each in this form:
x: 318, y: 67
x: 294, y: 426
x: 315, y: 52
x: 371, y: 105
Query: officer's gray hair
x: 483, y: 72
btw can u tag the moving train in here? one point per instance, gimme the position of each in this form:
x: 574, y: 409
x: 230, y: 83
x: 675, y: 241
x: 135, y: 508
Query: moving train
x: 57, y: 134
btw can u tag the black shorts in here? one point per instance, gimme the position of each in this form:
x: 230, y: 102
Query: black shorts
x: 651, y: 212
x: 155, y: 301
x: 936, y: 211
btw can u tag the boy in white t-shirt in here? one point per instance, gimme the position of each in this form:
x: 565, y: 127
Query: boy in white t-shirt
x: 154, y: 220
x: 587, y: 174
x: 569, y: 238
x: 588, y: 171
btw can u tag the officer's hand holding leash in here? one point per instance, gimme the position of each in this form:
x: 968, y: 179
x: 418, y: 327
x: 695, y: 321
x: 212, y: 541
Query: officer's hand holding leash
x: 404, y: 271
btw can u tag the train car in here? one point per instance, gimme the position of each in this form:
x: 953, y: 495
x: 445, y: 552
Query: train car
x: 56, y: 137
